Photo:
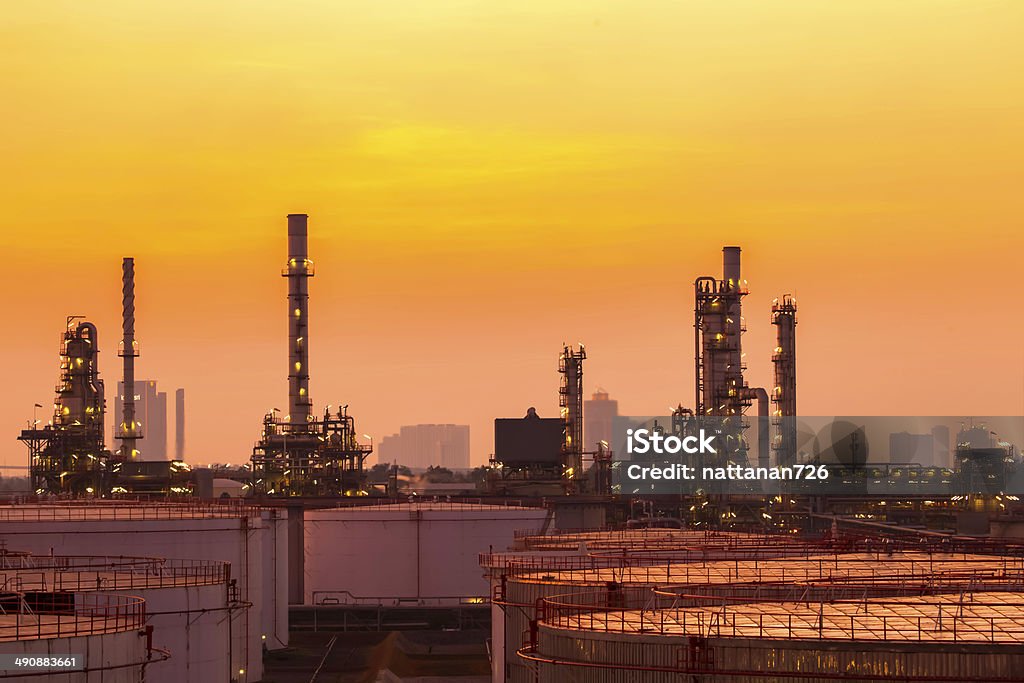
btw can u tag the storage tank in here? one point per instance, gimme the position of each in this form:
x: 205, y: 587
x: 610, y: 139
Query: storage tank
x: 421, y: 553
x: 109, y: 631
x: 252, y: 540
x: 950, y: 637
x: 188, y: 603
x: 563, y: 562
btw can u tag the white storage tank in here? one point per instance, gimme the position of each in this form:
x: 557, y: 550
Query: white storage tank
x: 109, y: 631
x: 407, y: 553
x: 252, y: 540
x: 188, y: 603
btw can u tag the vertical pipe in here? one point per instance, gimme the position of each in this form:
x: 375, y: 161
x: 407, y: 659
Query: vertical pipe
x: 179, y: 424
x: 734, y: 317
x: 784, y: 394
x: 128, y: 352
x: 298, y: 272
x: 731, y: 265
x: 763, y: 427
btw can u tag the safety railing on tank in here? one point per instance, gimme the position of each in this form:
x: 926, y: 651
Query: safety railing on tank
x: 65, y: 615
x: 343, y: 598
x: 631, y: 610
x: 93, y: 573
x: 431, y: 502
x: 827, y: 590
x: 122, y: 511
x: 789, y: 570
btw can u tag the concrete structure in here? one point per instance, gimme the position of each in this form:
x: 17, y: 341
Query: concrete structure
x: 252, y: 540
x: 407, y: 553
x: 424, y: 445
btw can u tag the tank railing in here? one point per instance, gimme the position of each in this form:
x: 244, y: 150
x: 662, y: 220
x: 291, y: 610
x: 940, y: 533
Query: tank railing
x: 343, y: 598
x: 431, y: 502
x: 634, y: 611
x: 89, y: 574
x: 585, y: 533
x: 782, y: 570
x: 23, y: 561
x: 70, y: 615
x: 850, y: 542
x: 99, y: 510
x: 828, y: 591
x: 514, y: 563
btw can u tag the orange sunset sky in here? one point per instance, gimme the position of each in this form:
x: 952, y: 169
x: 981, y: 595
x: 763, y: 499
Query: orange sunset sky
x: 487, y: 180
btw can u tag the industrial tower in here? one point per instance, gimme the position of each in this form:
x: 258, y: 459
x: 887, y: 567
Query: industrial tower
x: 68, y: 455
x: 298, y: 454
x: 784, y: 393
x: 129, y: 431
x: 721, y: 391
x: 570, y: 401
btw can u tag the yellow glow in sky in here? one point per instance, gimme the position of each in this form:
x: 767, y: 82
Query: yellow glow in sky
x: 489, y: 180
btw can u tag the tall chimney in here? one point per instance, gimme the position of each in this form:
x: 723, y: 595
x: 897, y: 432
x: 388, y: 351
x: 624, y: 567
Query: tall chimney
x: 731, y: 265
x: 734, y: 319
x: 298, y: 271
x: 784, y: 393
x: 179, y: 424
x: 128, y: 429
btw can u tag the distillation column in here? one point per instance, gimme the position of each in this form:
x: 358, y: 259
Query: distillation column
x: 128, y: 430
x: 784, y: 393
x: 298, y: 271
x: 721, y: 391
x: 570, y: 400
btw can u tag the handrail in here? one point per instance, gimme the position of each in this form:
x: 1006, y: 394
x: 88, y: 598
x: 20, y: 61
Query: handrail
x: 74, y: 614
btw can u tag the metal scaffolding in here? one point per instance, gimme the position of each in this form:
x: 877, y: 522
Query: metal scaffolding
x: 299, y: 455
x: 68, y: 455
x: 784, y: 393
x: 570, y: 401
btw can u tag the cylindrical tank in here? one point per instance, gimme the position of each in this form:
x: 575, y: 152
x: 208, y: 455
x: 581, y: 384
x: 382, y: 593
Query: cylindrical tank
x: 187, y: 603
x: 420, y: 552
x: 107, y: 630
x: 298, y: 271
x: 253, y: 541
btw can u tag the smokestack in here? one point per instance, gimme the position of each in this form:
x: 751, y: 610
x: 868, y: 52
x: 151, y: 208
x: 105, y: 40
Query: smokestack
x: 128, y: 429
x: 784, y: 393
x: 731, y: 265
x: 179, y: 424
x: 763, y: 426
x: 733, y: 322
x: 298, y: 271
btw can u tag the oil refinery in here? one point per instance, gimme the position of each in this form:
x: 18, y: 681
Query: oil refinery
x: 553, y: 567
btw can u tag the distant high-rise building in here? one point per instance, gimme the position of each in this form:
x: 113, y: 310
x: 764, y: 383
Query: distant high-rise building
x: 918, y: 449
x: 599, y: 415
x: 421, y: 446
x: 940, y: 439
x: 151, y: 413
